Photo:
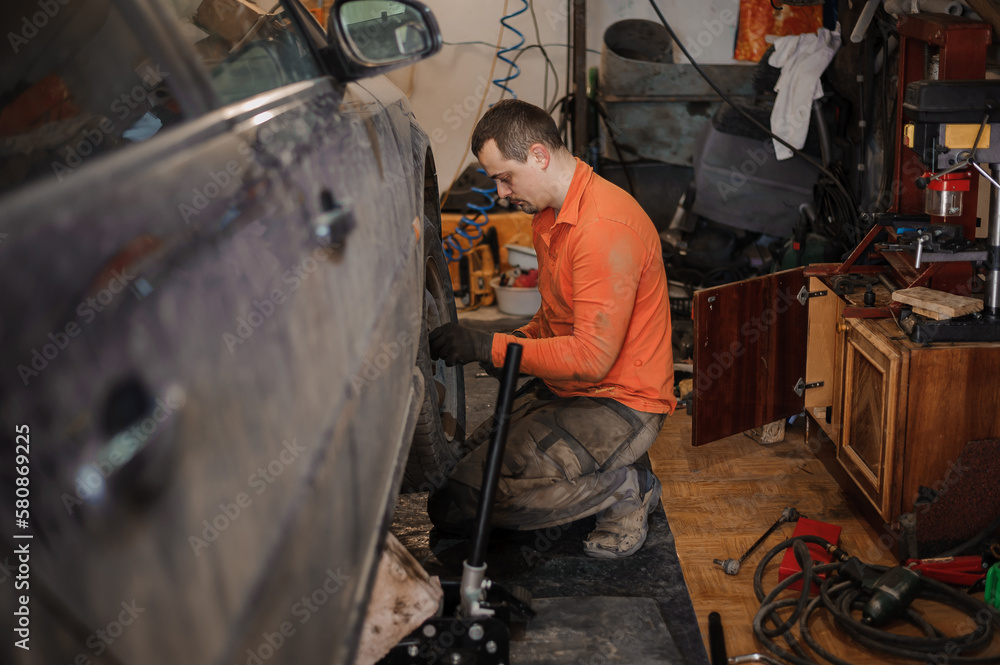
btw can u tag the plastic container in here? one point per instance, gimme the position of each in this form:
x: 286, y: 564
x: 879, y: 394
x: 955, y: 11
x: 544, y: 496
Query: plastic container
x: 521, y: 257
x: 515, y: 300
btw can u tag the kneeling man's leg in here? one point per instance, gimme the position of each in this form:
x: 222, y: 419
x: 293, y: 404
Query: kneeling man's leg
x: 565, y: 459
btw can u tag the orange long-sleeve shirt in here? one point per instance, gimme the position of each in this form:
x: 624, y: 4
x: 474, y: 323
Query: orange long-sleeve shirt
x: 603, y: 329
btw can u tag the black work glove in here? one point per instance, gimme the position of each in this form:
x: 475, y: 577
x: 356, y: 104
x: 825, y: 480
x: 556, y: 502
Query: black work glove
x: 491, y: 369
x: 457, y: 345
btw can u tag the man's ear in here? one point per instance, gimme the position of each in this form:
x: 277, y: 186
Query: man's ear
x: 540, y: 154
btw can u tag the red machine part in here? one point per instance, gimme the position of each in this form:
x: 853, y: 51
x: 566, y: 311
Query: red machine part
x: 959, y: 181
x: 807, y: 527
x: 959, y: 570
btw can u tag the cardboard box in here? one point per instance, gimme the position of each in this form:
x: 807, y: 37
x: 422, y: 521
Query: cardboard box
x: 231, y: 20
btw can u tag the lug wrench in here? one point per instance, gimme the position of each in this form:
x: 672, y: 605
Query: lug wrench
x: 732, y: 566
x: 474, y: 583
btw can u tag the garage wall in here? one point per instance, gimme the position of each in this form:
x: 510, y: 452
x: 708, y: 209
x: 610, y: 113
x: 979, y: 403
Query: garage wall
x: 446, y: 90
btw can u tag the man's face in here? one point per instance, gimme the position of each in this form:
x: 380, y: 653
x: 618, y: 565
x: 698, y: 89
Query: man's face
x: 517, y: 182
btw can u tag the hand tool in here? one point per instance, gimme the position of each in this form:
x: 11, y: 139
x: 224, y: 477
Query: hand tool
x: 477, y: 616
x: 716, y: 639
x: 892, y: 593
x: 732, y: 566
x: 960, y: 570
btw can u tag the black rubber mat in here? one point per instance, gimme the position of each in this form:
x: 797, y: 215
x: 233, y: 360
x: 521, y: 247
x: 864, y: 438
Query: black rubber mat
x: 596, y: 629
x: 551, y: 565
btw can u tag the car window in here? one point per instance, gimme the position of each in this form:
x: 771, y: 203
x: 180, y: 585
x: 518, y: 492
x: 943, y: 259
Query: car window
x: 75, y: 83
x: 247, y: 46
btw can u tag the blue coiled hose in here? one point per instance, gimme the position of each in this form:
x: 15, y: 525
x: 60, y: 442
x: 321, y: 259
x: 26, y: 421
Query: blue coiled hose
x: 502, y: 82
x: 470, y: 226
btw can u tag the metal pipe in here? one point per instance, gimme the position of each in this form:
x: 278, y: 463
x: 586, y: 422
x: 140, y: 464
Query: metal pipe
x: 716, y: 639
x: 825, y: 147
x: 494, y: 456
x: 580, y: 78
x: 992, y: 300
x: 754, y: 658
x: 886, y: 282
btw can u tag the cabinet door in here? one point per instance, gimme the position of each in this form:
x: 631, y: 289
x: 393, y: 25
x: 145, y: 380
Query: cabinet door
x: 824, y: 357
x: 750, y: 353
x: 873, y: 376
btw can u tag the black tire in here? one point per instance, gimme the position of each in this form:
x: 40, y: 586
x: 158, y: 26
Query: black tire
x: 440, y: 429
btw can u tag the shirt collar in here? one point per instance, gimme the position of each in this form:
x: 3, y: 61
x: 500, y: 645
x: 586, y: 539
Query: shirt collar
x: 570, y: 211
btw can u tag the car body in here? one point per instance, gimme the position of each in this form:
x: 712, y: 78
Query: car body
x: 220, y: 249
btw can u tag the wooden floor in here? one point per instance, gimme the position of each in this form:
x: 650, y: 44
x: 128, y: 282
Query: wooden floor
x: 721, y: 497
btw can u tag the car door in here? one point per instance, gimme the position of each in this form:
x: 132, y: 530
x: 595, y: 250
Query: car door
x: 199, y: 326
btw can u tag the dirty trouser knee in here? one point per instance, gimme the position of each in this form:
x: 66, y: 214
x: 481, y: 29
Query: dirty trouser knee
x: 564, y: 459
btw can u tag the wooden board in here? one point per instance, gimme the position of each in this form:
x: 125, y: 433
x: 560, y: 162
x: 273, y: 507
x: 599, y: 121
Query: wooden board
x: 822, y: 352
x: 749, y: 354
x: 938, y: 304
x: 989, y: 11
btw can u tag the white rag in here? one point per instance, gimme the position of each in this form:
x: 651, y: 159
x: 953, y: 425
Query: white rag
x: 802, y: 59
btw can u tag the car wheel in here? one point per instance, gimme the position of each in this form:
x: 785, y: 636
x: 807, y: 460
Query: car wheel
x: 440, y: 429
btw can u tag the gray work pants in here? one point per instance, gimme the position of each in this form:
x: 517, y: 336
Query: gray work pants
x: 564, y: 459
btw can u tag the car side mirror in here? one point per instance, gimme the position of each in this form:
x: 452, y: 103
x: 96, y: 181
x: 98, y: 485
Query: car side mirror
x: 368, y: 37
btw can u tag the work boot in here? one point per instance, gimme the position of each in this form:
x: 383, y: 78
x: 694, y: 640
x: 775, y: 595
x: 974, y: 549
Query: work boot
x: 621, y: 529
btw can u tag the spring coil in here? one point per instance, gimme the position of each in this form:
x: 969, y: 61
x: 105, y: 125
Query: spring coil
x: 503, y: 82
x: 469, y: 229
x: 470, y: 226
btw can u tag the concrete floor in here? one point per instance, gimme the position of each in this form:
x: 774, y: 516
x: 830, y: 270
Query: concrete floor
x: 636, y: 610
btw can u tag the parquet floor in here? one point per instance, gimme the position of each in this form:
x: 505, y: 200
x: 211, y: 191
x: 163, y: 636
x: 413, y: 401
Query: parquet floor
x: 721, y: 497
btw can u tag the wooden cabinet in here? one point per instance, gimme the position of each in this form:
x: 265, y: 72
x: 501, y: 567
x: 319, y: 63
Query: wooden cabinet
x: 898, y: 414
x: 909, y: 410
x: 875, y: 382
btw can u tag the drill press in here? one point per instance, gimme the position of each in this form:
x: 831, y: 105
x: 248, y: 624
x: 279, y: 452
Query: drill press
x: 953, y: 127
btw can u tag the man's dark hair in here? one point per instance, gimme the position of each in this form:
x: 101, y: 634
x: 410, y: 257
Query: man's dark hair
x: 516, y: 125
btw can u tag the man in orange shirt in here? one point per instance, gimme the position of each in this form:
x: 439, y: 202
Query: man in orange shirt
x: 600, y: 345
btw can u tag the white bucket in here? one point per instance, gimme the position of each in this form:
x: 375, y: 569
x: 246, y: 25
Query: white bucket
x: 517, y: 300
x: 521, y: 257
